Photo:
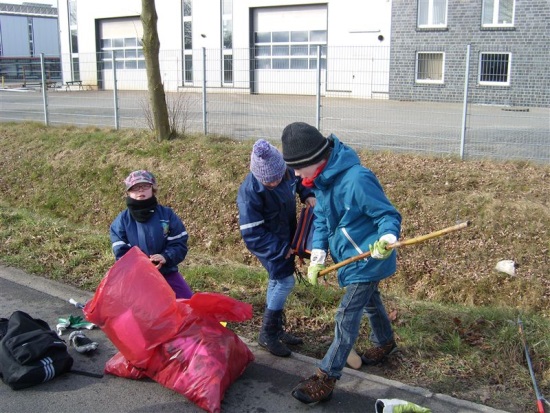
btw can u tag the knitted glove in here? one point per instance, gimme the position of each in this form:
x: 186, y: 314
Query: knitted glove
x: 378, y: 250
x: 313, y: 272
x: 81, y: 343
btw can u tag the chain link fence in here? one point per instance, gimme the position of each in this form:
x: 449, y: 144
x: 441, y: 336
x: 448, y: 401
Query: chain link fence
x: 347, y: 91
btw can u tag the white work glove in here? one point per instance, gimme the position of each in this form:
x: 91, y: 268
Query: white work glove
x: 316, y: 265
x: 318, y: 256
x: 378, y: 250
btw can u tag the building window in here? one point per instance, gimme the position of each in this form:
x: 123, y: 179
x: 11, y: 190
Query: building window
x: 227, y: 40
x: 187, y: 8
x: 74, y: 41
x: 228, y: 68
x: 188, y: 68
x: 128, y: 53
x: 187, y: 52
x: 429, y: 67
x: 289, y: 50
x: 432, y: 13
x: 73, y: 30
x: 31, y: 36
x: 187, y: 36
x: 227, y: 34
x: 498, y: 13
x: 76, y: 68
x: 494, y: 68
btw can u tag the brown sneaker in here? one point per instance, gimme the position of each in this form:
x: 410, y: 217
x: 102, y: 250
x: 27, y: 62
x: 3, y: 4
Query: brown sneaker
x: 375, y: 355
x: 354, y: 360
x: 315, y: 389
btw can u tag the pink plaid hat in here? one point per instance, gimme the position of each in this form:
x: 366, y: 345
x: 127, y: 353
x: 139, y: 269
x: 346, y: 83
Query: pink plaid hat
x: 138, y: 177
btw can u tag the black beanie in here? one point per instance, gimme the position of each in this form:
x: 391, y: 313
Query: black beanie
x: 303, y: 145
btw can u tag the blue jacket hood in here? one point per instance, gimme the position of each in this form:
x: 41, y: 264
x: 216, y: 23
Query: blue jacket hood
x: 341, y: 159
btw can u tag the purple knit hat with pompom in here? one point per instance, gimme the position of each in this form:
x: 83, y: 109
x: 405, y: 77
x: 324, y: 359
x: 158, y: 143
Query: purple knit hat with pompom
x: 266, y: 162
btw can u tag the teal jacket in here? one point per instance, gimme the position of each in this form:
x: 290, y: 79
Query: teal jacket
x: 352, y: 211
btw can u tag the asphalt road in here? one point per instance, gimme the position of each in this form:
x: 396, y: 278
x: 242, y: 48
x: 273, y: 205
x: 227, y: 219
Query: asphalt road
x: 264, y: 387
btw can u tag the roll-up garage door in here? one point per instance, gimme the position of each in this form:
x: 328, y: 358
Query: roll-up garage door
x: 286, y: 41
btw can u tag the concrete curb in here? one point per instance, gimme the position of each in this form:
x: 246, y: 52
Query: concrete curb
x: 353, y: 381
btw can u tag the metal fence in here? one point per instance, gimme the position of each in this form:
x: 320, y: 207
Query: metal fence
x: 344, y: 91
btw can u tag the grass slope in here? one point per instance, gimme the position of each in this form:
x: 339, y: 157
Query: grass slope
x: 454, y: 315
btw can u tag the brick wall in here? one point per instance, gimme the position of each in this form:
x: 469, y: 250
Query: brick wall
x: 528, y: 42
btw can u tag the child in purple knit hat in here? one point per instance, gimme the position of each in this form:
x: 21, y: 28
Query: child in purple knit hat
x: 154, y: 228
x: 267, y: 219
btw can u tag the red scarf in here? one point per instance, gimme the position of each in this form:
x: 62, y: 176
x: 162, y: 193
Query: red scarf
x: 308, y: 182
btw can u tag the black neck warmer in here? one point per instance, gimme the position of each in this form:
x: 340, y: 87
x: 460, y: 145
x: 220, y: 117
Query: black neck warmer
x: 141, y: 211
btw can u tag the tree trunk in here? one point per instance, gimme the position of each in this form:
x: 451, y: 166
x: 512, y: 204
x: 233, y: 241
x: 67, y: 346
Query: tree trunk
x: 151, y: 46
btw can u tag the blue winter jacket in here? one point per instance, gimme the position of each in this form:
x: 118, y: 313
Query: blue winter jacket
x: 267, y: 220
x: 352, y: 212
x: 163, y: 233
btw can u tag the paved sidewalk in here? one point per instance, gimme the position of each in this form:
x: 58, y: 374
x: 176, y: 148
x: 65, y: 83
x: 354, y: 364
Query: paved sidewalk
x: 264, y: 387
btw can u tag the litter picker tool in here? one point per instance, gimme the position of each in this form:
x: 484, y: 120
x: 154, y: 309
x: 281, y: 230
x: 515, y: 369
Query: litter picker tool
x: 397, y: 244
x: 540, y: 398
x: 76, y: 303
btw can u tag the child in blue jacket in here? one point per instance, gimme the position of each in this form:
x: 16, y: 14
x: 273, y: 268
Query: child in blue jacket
x: 267, y: 217
x: 352, y: 215
x: 154, y: 228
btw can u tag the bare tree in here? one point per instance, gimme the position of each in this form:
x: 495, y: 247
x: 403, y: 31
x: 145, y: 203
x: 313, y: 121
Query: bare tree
x: 151, y: 46
x: 179, y: 106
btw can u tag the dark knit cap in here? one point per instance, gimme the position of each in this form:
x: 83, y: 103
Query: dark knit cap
x: 303, y: 145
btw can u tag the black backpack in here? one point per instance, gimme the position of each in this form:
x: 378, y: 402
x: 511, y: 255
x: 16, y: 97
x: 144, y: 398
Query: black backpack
x: 30, y: 351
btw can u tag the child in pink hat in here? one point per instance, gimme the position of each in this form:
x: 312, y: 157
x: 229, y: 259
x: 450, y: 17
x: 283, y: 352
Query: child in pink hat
x: 154, y: 228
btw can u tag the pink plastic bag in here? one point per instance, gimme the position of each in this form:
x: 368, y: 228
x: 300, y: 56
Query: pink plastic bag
x: 178, y: 343
x: 119, y: 366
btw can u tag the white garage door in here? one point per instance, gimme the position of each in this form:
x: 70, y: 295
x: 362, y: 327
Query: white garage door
x: 286, y: 40
x: 120, y: 38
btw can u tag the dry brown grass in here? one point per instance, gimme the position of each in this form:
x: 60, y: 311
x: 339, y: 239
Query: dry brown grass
x: 63, y: 186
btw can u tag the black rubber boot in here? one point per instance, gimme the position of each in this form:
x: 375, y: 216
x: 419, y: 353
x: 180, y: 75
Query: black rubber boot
x: 269, y: 335
x: 285, y: 337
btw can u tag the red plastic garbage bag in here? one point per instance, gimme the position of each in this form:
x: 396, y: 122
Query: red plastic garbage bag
x: 178, y: 343
x: 119, y: 366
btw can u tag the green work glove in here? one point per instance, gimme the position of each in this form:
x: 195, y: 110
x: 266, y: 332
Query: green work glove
x: 378, y: 250
x: 398, y: 406
x: 313, y: 272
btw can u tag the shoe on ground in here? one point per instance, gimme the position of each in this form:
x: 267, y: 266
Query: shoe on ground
x: 315, y: 389
x: 290, y: 339
x: 354, y: 360
x: 81, y: 343
x: 375, y: 355
x: 274, y: 346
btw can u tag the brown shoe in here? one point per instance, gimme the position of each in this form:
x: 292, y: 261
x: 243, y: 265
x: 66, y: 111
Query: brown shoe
x: 375, y: 355
x: 315, y: 389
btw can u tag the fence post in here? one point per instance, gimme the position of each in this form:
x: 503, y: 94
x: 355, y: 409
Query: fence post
x: 44, y: 87
x: 318, y: 91
x: 465, y: 104
x: 115, y: 95
x: 205, y: 130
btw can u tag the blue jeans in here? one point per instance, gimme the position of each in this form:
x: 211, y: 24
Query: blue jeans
x: 278, y: 291
x: 357, y: 298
